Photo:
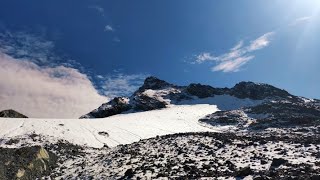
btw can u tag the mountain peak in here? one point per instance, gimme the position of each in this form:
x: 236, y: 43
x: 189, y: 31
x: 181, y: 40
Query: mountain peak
x: 154, y: 83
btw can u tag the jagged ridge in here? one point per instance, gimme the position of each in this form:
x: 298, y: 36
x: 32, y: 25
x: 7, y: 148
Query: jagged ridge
x: 157, y: 94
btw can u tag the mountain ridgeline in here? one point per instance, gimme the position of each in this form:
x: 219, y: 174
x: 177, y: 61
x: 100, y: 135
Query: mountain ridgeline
x: 262, y: 103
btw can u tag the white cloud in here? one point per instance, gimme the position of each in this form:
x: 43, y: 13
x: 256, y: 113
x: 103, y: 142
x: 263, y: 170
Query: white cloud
x: 116, y: 39
x: 238, y: 56
x: 231, y: 55
x: 300, y: 20
x: 204, y: 57
x: 122, y: 85
x: 98, y: 9
x: 52, y: 92
x: 262, y: 42
x: 108, y: 28
x: 99, y: 76
x: 232, y: 65
x: 238, y: 46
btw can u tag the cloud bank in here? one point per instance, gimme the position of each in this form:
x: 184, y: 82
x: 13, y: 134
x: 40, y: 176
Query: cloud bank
x: 301, y: 20
x: 38, y: 83
x: 237, y: 56
x: 51, y: 92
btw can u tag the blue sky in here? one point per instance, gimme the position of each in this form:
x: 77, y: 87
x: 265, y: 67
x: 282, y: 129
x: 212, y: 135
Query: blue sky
x: 116, y: 44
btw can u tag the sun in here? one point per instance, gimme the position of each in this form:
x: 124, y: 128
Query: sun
x: 310, y: 6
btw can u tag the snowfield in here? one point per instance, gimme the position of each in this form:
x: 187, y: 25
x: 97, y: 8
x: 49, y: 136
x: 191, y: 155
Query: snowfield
x: 114, y: 130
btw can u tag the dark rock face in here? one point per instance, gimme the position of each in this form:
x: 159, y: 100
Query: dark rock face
x: 225, y: 118
x: 26, y: 163
x: 276, y: 162
x: 204, y: 91
x: 241, y: 90
x: 11, y: 114
x: 257, y: 91
x: 115, y: 106
x: 243, y: 172
x: 129, y: 173
x: 146, y: 103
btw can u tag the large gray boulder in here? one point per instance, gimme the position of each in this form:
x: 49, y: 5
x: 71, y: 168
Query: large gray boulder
x: 26, y: 163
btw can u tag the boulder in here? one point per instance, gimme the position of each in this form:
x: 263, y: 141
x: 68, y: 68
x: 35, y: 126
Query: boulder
x: 26, y: 162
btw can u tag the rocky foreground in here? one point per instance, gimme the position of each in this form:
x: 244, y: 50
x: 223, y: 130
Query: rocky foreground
x: 286, y: 154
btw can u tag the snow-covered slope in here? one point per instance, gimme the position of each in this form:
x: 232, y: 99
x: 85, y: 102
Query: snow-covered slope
x: 114, y: 130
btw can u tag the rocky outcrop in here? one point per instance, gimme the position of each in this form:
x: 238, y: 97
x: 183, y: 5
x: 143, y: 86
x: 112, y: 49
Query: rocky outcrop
x: 270, y: 114
x: 137, y: 102
x: 284, y: 114
x: 11, y: 114
x: 232, y: 117
x: 257, y: 91
x: 113, y: 107
x: 26, y: 163
x: 146, y: 103
x: 204, y: 91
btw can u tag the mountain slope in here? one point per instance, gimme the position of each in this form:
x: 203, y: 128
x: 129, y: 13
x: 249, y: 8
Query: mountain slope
x: 157, y: 94
x: 246, y: 105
